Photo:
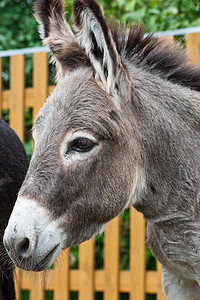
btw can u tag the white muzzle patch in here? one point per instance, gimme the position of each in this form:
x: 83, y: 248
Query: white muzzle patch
x: 33, y: 241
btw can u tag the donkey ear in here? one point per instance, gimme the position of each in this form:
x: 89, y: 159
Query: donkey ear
x: 57, y: 34
x: 94, y: 37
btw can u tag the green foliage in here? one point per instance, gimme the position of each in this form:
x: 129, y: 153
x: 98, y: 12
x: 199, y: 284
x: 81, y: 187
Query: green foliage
x: 150, y: 260
x: 48, y: 295
x: 74, y: 257
x: 73, y: 295
x: 25, y: 295
x: 124, y: 240
x: 99, y: 254
x: 155, y: 14
x: 28, y: 125
x: 18, y: 27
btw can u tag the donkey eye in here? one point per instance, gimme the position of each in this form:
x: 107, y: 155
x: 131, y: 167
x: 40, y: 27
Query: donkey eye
x: 81, y: 145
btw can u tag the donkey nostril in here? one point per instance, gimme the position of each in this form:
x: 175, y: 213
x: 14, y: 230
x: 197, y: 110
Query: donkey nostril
x: 23, y: 246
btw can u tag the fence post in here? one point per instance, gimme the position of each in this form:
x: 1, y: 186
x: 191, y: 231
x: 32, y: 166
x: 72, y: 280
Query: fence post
x: 40, y: 81
x: 137, y: 255
x: 111, y: 260
x: 160, y: 292
x: 61, y: 281
x: 167, y: 39
x: 193, y: 46
x: 86, y: 267
x: 38, y: 291
x: 17, y: 282
x: 17, y: 86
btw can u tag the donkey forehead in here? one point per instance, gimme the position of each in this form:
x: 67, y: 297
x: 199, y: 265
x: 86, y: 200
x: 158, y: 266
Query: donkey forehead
x: 78, y: 102
x: 79, y: 87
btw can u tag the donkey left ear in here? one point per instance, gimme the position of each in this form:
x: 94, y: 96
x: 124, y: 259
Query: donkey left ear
x: 94, y: 37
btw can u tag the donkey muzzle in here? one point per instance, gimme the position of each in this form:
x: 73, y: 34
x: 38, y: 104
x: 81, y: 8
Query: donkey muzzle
x: 33, y: 241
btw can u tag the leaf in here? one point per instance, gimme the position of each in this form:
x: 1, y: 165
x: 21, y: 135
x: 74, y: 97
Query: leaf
x: 172, y: 10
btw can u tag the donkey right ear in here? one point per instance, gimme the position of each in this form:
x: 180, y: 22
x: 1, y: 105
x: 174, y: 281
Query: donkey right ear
x: 57, y: 34
x: 95, y: 38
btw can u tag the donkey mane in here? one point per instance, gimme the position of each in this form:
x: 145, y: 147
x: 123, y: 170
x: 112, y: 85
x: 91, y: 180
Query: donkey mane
x: 168, y: 61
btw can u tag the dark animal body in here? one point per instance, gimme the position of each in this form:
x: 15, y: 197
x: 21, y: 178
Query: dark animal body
x: 13, y: 167
x: 122, y: 128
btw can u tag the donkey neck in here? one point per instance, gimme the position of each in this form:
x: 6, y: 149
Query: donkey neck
x: 168, y: 119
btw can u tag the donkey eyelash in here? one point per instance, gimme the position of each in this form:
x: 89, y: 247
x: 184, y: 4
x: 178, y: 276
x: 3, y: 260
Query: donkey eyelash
x: 81, y: 145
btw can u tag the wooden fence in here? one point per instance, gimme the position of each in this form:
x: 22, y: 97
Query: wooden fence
x: 136, y: 282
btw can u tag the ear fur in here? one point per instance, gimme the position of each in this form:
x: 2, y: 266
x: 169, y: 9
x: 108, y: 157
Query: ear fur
x: 94, y: 37
x: 57, y: 34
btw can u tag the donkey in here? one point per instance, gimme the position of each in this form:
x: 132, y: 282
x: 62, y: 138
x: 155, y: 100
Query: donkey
x: 120, y: 129
x: 13, y: 167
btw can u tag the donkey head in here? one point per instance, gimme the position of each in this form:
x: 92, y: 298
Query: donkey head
x: 84, y: 170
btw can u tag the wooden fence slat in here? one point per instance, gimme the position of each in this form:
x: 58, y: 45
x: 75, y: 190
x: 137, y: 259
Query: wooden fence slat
x: 34, y: 282
x: 86, y: 267
x: 160, y: 292
x: 29, y: 97
x: 193, y: 46
x: 17, y: 283
x: 125, y: 281
x: 137, y: 255
x: 111, y: 260
x: 152, y: 281
x: 38, y: 290
x: 167, y: 39
x: 61, y: 280
x: 17, y: 85
x: 40, y: 81
x: 1, y: 86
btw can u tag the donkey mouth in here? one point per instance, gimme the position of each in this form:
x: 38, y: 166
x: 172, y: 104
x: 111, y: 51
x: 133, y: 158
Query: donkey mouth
x: 32, y: 263
x: 47, y: 261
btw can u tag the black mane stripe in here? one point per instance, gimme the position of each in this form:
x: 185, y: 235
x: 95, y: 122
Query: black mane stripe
x: 169, y: 61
